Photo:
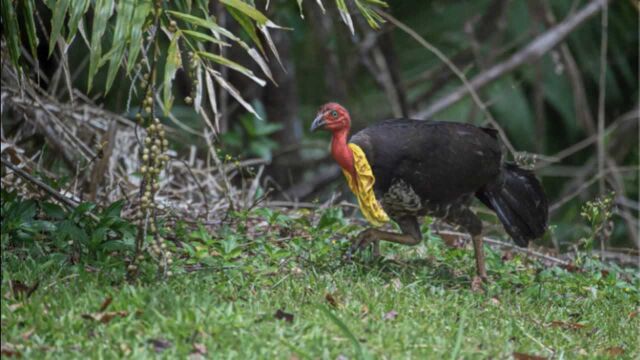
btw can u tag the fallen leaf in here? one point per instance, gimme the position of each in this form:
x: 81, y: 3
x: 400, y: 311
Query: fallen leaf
x: 105, y: 304
x: 397, y: 284
x: 198, y: 352
x: 507, y: 255
x: 633, y: 314
x: 614, y: 351
x: 160, y: 345
x: 105, y: 317
x: 364, y: 310
x: 27, y: 334
x: 476, y: 284
x: 391, y: 315
x: 126, y: 349
x: 331, y: 300
x: 9, y: 350
x: 566, y: 325
x: 18, y: 288
x: 16, y: 306
x: 571, y: 267
x: 522, y: 356
x: 281, y: 315
x: 453, y: 241
x: 199, y: 349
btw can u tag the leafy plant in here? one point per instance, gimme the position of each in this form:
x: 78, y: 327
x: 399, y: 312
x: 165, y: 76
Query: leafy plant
x: 251, y: 137
x: 121, y: 29
x: 598, y: 214
x: 80, y: 234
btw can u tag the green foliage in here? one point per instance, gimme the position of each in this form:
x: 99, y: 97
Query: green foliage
x: 127, y: 25
x: 598, y: 214
x: 251, y: 137
x: 224, y: 299
x: 83, y: 234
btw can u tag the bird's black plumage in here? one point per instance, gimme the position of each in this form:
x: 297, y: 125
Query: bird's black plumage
x: 436, y: 168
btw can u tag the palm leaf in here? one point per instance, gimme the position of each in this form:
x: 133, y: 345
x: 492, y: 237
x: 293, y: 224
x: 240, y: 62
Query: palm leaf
x: 77, y: 11
x: 233, y: 65
x: 233, y: 92
x: 102, y: 13
x: 247, y: 25
x: 11, y: 31
x: 174, y: 62
x: 137, y: 23
x: 120, y: 37
x: 57, y: 20
x: 248, y: 10
x: 204, y: 37
x: 30, y: 25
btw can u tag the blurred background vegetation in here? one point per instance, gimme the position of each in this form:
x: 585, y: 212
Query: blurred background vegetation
x: 321, y: 51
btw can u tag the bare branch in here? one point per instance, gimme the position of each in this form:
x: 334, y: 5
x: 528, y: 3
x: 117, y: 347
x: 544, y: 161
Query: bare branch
x: 456, y: 71
x: 538, y: 47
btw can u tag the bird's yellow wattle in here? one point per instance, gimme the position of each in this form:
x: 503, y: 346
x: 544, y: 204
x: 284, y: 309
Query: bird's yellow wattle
x: 362, y: 188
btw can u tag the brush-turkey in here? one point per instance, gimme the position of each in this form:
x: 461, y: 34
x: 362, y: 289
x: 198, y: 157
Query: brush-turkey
x: 404, y: 169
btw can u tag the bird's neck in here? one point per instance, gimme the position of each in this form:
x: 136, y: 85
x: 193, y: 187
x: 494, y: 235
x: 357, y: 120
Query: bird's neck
x: 341, y: 151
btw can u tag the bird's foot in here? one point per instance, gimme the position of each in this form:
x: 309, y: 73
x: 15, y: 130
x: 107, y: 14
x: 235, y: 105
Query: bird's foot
x: 363, y: 240
x: 478, y: 282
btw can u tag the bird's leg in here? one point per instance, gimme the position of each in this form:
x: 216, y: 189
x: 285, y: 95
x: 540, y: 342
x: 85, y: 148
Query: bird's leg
x: 375, y: 249
x: 470, y: 222
x: 479, y: 251
x: 410, y: 236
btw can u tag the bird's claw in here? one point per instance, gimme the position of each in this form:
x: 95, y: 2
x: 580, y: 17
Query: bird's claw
x: 362, y: 241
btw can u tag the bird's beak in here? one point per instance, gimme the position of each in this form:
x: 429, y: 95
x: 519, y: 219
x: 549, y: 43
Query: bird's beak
x: 318, y: 122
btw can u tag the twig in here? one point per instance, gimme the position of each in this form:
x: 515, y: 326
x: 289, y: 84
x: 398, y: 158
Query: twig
x: 65, y: 200
x: 602, y: 95
x: 53, y: 192
x: 584, y: 186
x: 539, y: 46
x: 200, y: 187
x: 467, y: 86
x: 308, y: 205
x: 510, y: 246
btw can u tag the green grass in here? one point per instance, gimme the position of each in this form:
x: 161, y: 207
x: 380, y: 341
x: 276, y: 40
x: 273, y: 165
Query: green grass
x: 231, y: 312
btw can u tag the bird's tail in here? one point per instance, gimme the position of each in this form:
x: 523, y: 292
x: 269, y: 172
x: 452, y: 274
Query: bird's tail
x: 520, y: 203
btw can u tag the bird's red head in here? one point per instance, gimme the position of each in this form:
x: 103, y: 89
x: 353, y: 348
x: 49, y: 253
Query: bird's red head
x: 335, y: 118
x: 332, y: 117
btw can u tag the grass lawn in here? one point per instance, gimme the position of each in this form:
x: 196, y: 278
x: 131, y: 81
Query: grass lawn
x: 299, y: 300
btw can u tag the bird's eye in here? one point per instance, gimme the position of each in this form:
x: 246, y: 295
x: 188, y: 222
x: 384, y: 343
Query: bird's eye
x: 334, y: 114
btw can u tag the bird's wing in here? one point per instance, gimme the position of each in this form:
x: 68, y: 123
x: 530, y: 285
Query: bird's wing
x: 440, y: 160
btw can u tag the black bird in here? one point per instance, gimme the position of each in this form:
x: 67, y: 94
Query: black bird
x: 433, y: 168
